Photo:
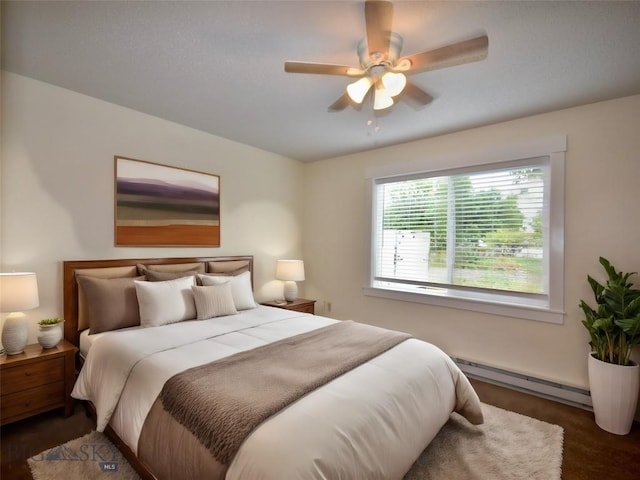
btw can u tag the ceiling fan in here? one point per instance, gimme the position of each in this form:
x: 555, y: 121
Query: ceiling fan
x: 382, y: 72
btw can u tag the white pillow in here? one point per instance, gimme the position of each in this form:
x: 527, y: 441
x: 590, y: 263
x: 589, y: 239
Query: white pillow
x: 165, y: 302
x: 240, y: 288
x: 214, y: 300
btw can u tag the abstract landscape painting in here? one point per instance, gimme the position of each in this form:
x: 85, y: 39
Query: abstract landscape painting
x: 157, y: 205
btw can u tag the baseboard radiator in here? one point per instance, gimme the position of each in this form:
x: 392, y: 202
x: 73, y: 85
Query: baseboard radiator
x: 525, y: 383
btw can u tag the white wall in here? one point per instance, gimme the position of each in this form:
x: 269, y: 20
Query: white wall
x: 602, y: 201
x: 56, y: 197
x: 57, y: 189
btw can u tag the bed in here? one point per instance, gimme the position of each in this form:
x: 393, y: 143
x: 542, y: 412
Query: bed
x: 368, y: 420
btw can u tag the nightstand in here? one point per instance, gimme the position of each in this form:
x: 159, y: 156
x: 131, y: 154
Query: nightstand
x: 298, y: 305
x: 36, y: 381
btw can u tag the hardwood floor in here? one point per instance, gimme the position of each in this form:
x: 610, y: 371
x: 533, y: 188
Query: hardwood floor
x: 589, y: 452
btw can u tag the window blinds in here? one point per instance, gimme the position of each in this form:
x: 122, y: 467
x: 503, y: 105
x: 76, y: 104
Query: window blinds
x: 480, y: 229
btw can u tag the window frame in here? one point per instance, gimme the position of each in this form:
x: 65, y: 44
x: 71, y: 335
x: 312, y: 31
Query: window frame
x: 551, y: 309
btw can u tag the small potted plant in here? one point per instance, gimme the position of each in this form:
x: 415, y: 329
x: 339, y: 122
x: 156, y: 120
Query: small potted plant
x: 50, y: 332
x: 614, y: 327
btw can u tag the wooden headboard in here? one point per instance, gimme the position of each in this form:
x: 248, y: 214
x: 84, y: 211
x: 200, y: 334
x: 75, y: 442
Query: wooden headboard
x: 70, y: 285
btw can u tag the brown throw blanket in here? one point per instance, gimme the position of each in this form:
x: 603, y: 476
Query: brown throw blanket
x: 222, y: 402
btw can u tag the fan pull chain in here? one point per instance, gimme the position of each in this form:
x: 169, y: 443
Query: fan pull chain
x: 373, y: 126
x: 372, y: 121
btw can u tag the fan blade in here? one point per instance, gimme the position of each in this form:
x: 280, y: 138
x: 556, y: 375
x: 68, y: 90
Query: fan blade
x: 415, y: 96
x: 340, y: 104
x: 468, y: 51
x: 322, y: 69
x: 378, y: 17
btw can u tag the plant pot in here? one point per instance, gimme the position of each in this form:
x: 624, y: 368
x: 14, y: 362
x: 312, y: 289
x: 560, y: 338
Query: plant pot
x: 614, y: 393
x: 50, y: 335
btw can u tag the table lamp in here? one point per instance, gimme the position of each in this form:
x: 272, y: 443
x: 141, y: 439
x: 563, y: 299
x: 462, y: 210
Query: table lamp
x: 291, y: 271
x: 18, y: 292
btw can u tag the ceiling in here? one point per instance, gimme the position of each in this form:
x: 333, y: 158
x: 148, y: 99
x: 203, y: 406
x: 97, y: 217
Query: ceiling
x: 218, y: 66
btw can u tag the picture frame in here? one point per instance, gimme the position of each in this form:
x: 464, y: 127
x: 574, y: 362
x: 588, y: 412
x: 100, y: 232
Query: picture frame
x: 159, y: 205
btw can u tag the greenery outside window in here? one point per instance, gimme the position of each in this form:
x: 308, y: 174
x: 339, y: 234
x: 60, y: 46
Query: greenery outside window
x: 484, y: 237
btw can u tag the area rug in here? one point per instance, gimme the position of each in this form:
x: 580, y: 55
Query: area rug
x: 508, y: 446
x: 92, y: 457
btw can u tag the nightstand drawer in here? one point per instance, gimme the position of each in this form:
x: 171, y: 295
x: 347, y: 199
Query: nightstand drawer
x: 307, y: 308
x: 34, y: 399
x: 302, y: 305
x: 22, y: 377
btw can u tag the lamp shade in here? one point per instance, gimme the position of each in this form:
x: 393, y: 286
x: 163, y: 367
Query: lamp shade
x: 394, y: 82
x: 290, y: 270
x: 18, y: 291
x: 382, y: 99
x: 357, y: 90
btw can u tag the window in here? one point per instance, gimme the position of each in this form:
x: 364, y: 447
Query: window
x: 484, y: 237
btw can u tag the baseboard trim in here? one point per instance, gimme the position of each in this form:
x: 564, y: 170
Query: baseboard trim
x: 535, y: 386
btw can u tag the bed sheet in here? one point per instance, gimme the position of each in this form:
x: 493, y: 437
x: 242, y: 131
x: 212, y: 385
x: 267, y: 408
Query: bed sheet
x: 87, y: 339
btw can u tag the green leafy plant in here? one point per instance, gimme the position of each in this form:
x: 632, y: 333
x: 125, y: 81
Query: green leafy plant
x: 614, y: 325
x: 51, y: 321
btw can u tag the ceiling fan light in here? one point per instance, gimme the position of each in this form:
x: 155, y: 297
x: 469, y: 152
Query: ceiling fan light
x: 394, y: 83
x: 357, y: 90
x: 382, y: 99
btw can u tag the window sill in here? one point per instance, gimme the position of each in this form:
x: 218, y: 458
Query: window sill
x: 540, y: 314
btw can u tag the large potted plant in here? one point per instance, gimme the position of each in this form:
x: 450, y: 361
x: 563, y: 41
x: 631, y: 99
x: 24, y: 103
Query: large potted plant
x: 614, y: 327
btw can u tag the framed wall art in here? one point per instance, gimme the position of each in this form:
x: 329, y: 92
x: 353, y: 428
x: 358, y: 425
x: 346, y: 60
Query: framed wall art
x: 158, y: 205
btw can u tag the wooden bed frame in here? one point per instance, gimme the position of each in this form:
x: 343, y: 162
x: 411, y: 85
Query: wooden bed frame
x: 71, y: 312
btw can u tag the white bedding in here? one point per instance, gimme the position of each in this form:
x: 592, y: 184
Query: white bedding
x: 370, y: 423
x: 86, y: 339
